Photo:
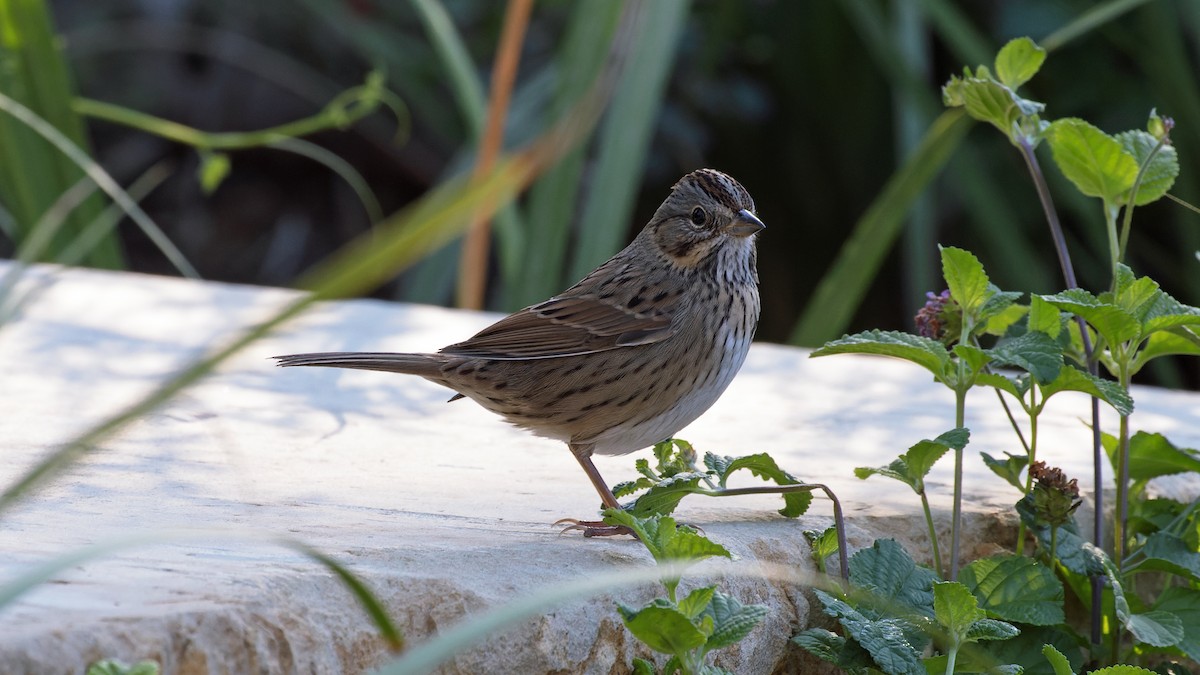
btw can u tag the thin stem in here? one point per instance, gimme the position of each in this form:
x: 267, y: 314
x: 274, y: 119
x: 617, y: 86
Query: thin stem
x: 951, y: 656
x: 472, y: 269
x: 1064, y: 261
x: 1053, y: 545
x: 933, y: 540
x: 960, y: 407
x: 1034, y: 410
x: 1127, y: 221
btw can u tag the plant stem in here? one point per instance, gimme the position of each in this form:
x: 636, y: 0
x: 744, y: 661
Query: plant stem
x: 1034, y: 410
x: 933, y: 540
x: 960, y: 407
x: 1053, y: 546
x: 1064, y: 261
x: 951, y: 657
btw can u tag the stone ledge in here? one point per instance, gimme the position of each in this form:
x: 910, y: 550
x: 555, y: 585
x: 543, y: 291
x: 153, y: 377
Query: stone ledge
x: 443, y: 509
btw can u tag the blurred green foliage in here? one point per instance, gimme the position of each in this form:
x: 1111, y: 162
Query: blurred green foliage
x: 816, y: 107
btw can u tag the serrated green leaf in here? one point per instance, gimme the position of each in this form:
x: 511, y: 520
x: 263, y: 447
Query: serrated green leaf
x: 1034, y: 352
x: 115, y: 667
x: 663, y: 497
x: 823, y: 544
x: 643, y: 667
x: 1073, y: 379
x: 663, y: 629
x: 1026, y: 649
x: 763, y: 466
x: 887, y: 570
x: 1165, y: 312
x: 1009, y: 469
x: 1152, y: 455
x: 1159, y: 175
x: 989, y: 101
x: 1123, y: 670
x: 1001, y: 322
x: 1114, y: 323
x: 1168, y: 553
x: 974, y: 357
x: 689, y: 545
x: 1018, y: 61
x: 1016, y: 387
x: 997, y: 302
x: 955, y: 608
x: 694, y: 603
x: 1185, y: 604
x: 1044, y: 317
x: 965, y: 278
x: 1173, y: 342
x: 1091, y: 159
x: 930, y: 354
x: 732, y: 620
x: 1057, y: 661
x: 991, y: 629
x: 1156, y: 628
x: 824, y: 644
x: 1016, y: 588
x: 884, y: 639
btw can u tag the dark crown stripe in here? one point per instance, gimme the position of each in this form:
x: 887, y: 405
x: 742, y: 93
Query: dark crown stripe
x: 723, y: 189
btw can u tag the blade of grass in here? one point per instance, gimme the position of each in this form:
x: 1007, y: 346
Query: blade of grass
x: 45, y: 571
x: 1089, y: 20
x: 625, y: 135
x: 101, y: 178
x: 841, y: 289
x: 34, y: 75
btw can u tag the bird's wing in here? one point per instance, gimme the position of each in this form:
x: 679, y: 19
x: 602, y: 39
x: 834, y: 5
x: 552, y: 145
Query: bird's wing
x: 566, y: 326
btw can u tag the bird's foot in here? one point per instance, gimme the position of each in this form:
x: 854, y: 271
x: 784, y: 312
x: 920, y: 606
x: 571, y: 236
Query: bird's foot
x: 593, y: 528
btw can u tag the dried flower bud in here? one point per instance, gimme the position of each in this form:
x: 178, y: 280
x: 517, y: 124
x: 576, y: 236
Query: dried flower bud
x: 1054, y: 497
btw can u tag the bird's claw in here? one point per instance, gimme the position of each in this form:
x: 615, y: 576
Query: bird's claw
x: 593, y: 528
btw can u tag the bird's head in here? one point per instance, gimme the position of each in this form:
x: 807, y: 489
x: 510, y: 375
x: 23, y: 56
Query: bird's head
x: 706, y: 210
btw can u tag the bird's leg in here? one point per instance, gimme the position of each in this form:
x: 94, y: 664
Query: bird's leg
x: 593, y: 528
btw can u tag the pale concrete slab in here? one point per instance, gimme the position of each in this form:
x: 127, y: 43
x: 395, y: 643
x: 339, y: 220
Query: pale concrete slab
x: 443, y: 508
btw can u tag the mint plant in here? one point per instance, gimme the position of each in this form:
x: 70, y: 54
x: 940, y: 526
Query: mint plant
x: 973, y: 334
x: 687, y: 628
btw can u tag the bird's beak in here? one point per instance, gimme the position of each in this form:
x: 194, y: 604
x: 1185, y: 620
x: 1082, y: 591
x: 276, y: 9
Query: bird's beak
x: 745, y: 224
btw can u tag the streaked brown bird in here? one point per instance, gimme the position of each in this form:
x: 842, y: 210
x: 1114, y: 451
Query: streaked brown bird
x: 628, y: 356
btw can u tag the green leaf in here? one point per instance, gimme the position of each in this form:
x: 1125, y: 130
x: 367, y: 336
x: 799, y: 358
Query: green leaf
x: 965, y: 278
x: 763, y: 466
x: 1044, y: 317
x: 955, y: 608
x: 1159, y: 175
x: 1009, y: 469
x: 695, y: 602
x: 823, y: 544
x: 1059, y: 662
x: 1152, y: 455
x: 214, y: 167
x: 1091, y: 159
x: 912, y: 467
x: 1017, y: 387
x: 1114, y: 323
x: 664, y: 496
x: 1185, y: 604
x: 930, y: 354
x: 999, y: 302
x: 1156, y: 628
x: 991, y: 629
x: 974, y: 357
x: 1016, y: 588
x: 1175, y: 342
x: 732, y: 620
x: 989, y: 101
x: 1026, y: 649
x: 1123, y: 670
x: 884, y: 639
x: 1073, y: 379
x: 663, y: 629
x: 1018, y: 61
x: 887, y: 570
x: 643, y: 667
x: 1034, y: 352
x: 824, y: 644
x: 1168, y: 553
x: 115, y: 667
x: 999, y: 323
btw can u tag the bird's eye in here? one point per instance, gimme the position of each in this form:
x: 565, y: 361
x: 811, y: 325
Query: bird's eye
x: 698, y: 216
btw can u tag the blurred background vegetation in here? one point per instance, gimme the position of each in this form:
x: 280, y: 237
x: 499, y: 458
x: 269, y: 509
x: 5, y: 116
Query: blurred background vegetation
x: 813, y: 106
